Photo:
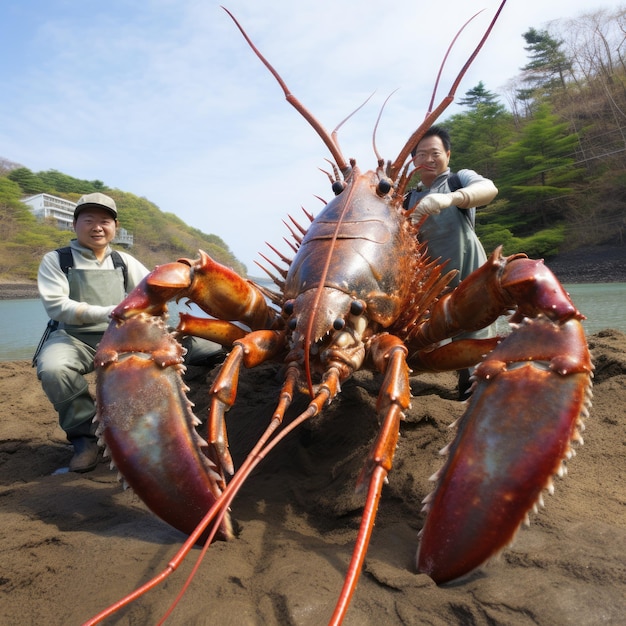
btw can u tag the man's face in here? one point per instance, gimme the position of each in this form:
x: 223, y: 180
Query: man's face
x: 95, y: 228
x: 432, y: 158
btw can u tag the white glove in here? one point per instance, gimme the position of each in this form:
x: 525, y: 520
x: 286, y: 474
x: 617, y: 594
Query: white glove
x: 477, y: 194
x: 93, y: 314
x: 434, y: 203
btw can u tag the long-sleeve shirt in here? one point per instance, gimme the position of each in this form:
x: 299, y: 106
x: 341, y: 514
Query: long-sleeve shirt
x: 450, y: 234
x: 54, y: 287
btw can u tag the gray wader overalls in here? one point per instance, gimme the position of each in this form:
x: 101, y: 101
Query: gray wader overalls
x: 69, y: 352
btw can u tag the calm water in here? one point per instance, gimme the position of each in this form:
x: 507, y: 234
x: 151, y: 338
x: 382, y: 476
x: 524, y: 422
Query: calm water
x: 23, y: 321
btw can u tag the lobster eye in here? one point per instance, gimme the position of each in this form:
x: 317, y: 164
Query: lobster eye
x: 383, y: 188
x: 292, y: 323
x: 338, y: 187
x: 339, y: 323
x: 288, y: 307
x: 357, y: 307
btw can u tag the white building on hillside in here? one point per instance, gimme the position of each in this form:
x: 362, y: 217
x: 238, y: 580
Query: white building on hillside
x: 47, y: 207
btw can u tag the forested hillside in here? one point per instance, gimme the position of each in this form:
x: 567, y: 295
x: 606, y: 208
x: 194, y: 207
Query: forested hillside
x: 158, y: 237
x: 556, y: 150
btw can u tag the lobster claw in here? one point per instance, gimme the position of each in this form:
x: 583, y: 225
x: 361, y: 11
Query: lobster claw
x: 517, y: 430
x: 147, y: 423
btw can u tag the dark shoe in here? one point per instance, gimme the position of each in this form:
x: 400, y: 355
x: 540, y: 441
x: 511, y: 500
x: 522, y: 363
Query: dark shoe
x: 465, y: 384
x: 85, y: 457
x: 210, y: 360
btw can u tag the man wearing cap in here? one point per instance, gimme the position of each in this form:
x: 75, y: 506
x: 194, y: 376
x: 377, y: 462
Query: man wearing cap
x: 81, y: 302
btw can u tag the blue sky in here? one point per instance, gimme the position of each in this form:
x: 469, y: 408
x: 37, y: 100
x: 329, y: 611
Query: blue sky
x: 163, y: 98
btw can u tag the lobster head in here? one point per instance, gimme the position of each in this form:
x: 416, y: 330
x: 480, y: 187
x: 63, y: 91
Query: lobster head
x: 328, y: 328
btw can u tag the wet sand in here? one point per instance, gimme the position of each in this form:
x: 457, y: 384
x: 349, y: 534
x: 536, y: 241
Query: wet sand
x: 73, y: 544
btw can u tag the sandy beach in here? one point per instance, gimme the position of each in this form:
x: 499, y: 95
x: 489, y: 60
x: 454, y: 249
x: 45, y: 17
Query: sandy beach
x: 73, y: 544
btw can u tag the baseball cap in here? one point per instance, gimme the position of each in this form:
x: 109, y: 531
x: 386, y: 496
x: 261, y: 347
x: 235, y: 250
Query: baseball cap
x: 96, y: 201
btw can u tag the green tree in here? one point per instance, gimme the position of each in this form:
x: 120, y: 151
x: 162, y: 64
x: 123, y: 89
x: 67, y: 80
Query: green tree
x: 29, y: 183
x: 10, y: 192
x: 539, y: 167
x: 479, y: 133
x: 54, y: 182
x: 546, y: 70
x: 57, y: 182
x: 477, y: 96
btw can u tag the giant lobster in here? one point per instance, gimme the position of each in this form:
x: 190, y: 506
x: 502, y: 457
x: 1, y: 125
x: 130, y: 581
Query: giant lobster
x: 359, y: 293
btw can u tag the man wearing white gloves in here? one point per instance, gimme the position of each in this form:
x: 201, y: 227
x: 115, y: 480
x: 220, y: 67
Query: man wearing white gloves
x: 80, y: 298
x: 450, y: 209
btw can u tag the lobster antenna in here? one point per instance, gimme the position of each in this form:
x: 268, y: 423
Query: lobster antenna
x: 345, y: 119
x: 445, y: 59
x: 380, y: 114
x: 414, y: 139
x: 308, y: 116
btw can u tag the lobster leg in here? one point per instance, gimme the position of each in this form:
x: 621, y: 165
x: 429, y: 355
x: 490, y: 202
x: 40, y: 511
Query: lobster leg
x: 525, y: 411
x: 219, y: 331
x: 453, y: 356
x: 501, y: 285
x: 389, y: 356
x: 251, y: 350
x: 215, y: 288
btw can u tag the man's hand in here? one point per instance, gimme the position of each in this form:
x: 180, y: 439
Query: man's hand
x: 434, y: 203
x: 93, y: 313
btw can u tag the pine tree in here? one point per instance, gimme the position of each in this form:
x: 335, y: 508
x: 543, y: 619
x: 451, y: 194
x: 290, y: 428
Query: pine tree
x: 480, y: 132
x: 540, y: 168
x: 547, y: 67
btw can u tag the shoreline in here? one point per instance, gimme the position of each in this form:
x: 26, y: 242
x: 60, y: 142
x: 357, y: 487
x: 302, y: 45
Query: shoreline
x: 598, y: 264
x: 18, y: 291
